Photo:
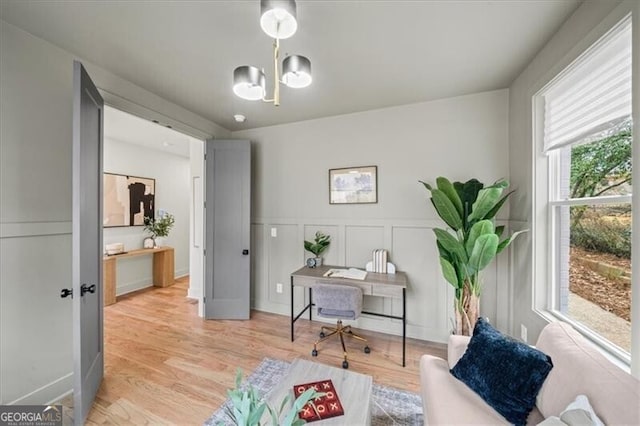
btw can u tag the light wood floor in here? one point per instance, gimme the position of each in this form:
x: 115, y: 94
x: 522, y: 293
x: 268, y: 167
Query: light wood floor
x: 164, y: 364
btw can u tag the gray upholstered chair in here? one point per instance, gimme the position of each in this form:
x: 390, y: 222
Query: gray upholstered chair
x: 340, y: 302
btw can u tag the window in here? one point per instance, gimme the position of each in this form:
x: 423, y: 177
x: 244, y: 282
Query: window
x: 585, y: 120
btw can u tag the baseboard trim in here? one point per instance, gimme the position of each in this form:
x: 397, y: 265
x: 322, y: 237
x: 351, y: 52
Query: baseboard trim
x: 47, y: 393
x: 194, y: 293
x: 134, y: 286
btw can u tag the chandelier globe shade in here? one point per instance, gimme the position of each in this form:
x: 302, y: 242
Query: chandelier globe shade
x: 296, y: 71
x: 249, y: 83
x: 278, y: 18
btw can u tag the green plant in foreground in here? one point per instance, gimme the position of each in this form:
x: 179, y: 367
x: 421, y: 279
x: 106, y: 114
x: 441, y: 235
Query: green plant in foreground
x: 247, y: 407
x: 159, y: 227
x: 319, y: 245
x: 469, y: 209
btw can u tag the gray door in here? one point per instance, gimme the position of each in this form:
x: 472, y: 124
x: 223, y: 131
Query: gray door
x: 227, y: 228
x: 88, y: 359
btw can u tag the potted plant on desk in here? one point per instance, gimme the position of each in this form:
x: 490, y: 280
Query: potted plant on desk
x: 317, y: 247
x: 159, y: 228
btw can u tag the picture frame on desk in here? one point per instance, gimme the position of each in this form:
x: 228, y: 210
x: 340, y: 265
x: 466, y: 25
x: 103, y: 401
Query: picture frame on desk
x: 353, y: 185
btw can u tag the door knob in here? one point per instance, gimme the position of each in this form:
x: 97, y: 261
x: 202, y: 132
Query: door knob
x: 87, y: 289
x: 66, y: 292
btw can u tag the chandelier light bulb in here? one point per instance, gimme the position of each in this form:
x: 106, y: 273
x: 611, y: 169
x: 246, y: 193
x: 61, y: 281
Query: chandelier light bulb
x: 296, y: 71
x: 249, y: 83
x: 278, y: 18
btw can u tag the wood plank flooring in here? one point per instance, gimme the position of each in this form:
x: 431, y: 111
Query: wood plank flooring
x: 165, y: 365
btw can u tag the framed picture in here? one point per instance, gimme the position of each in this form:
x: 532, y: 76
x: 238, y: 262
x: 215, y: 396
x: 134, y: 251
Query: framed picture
x: 353, y: 185
x: 127, y: 200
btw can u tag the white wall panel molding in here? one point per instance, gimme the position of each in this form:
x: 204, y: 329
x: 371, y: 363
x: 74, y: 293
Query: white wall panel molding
x: 34, y: 229
x: 51, y: 392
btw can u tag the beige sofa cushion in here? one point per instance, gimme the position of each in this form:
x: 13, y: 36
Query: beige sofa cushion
x: 448, y: 401
x: 579, y: 368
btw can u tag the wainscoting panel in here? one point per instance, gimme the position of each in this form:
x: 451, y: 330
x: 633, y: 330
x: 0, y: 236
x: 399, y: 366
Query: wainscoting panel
x: 33, y: 317
x: 284, y: 258
x: 412, y: 247
x: 359, y: 243
x: 415, y: 252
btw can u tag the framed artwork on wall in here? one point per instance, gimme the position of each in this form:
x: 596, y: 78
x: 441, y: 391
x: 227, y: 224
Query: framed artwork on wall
x: 127, y: 200
x: 353, y: 185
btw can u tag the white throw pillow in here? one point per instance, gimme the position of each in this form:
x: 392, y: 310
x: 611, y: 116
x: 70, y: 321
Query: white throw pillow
x: 578, y: 412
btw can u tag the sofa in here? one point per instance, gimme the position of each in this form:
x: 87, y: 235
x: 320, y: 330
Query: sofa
x: 578, y: 368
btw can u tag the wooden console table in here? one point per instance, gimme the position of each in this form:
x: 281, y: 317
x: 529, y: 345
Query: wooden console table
x: 163, y: 270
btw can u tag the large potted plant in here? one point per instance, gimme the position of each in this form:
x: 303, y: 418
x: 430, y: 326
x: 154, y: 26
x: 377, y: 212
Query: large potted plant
x: 159, y: 228
x: 471, y: 243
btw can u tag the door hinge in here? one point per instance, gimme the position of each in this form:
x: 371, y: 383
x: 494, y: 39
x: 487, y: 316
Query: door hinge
x: 204, y: 252
x: 204, y: 300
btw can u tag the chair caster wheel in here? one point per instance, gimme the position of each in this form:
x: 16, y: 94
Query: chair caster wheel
x: 322, y: 334
x: 367, y: 350
x: 350, y: 332
x: 314, y: 353
x: 345, y: 364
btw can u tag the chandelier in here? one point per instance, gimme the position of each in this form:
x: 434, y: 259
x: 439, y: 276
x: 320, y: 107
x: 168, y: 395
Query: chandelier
x: 278, y: 20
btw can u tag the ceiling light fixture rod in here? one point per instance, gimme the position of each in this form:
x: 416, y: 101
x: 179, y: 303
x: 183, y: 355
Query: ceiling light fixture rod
x: 276, y: 75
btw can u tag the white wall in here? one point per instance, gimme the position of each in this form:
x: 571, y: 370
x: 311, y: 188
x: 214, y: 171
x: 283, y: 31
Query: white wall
x: 35, y: 206
x: 173, y: 194
x: 460, y: 138
x: 583, y: 28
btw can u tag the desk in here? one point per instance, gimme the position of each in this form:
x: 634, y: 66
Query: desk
x: 163, y: 270
x: 382, y: 285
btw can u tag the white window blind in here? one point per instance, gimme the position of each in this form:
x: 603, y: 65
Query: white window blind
x: 594, y: 95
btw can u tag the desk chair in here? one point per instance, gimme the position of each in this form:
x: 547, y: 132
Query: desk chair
x: 341, y: 302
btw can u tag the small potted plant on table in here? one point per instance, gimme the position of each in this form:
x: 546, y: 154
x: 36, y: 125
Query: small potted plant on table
x: 159, y: 228
x: 317, y: 247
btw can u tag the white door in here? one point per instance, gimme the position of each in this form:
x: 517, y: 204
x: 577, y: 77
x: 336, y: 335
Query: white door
x: 88, y: 362
x: 227, y: 229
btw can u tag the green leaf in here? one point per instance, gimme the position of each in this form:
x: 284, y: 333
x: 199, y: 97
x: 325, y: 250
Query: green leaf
x: 443, y: 251
x: 447, y: 187
x: 499, y: 230
x: 451, y: 244
x: 500, y: 183
x: 298, y: 404
x: 426, y: 185
x: 446, y: 210
x: 483, y: 252
x: 487, y: 199
x: 468, y: 191
x: 505, y: 243
x: 449, y: 272
x: 256, y: 415
x: 479, y: 228
x: 494, y: 211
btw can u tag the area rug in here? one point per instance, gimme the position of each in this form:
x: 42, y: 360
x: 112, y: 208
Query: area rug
x: 390, y: 406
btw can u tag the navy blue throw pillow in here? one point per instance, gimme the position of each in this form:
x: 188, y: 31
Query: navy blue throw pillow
x: 506, y: 373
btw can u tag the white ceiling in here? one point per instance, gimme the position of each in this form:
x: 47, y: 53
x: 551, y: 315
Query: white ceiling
x: 364, y: 54
x: 124, y: 127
